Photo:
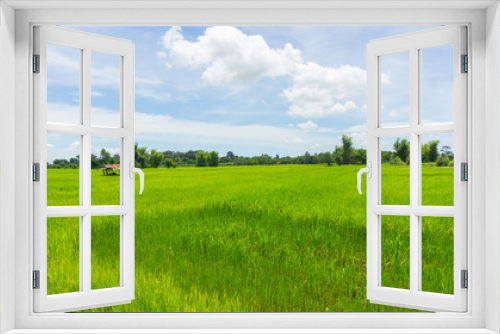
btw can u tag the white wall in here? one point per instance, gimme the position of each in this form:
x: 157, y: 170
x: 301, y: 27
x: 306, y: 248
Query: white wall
x: 492, y: 162
x: 7, y: 169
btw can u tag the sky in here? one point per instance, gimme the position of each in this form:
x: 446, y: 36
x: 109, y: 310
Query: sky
x: 249, y: 90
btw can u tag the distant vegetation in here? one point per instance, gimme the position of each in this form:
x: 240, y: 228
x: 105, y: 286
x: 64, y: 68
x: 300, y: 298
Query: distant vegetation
x: 345, y: 154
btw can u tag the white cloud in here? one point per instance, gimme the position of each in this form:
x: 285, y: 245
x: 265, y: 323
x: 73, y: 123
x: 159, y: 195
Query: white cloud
x: 317, y: 90
x: 229, y: 56
x: 97, y: 94
x: 315, y: 146
x: 153, y: 94
x: 308, y: 126
x: 161, y: 54
x: 348, y: 106
x: 74, y: 147
x: 356, y: 128
x: 385, y: 78
x: 358, y: 134
x: 297, y: 140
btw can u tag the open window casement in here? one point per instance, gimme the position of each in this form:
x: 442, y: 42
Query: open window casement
x: 413, y: 295
x: 85, y: 294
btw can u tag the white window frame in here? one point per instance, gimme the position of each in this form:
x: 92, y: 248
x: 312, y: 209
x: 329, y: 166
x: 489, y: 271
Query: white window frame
x: 413, y: 44
x: 483, y: 213
x: 86, y: 44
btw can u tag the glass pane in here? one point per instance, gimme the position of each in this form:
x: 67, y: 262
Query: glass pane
x: 105, y: 162
x: 437, y: 254
x: 437, y: 169
x: 437, y: 84
x: 105, y: 91
x: 63, y: 255
x: 63, y: 85
x: 395, y: 89
x: 395, y: 170
x: 63, y: 174
x: 395, y: 252
x: 105, y: 239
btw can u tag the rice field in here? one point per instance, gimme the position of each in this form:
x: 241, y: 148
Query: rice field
x: 279, y: 238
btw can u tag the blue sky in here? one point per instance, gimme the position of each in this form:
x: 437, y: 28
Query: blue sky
x: 250, y: 90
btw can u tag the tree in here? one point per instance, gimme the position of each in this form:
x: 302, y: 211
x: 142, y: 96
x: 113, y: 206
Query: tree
x: 230, y: 155
x: 201, y: 159
x: 75, y: 161
x: 360, y: 156
x: 213, y: 159
x: 95, y: 162
x: 402, y: 148
x: 141, y: 155
x: 170, y: 163
x: 338, y: 155
x: 327, y: 158
x: 156, y: 158
x: 442, y: 161
x: 433, y: 150
x: 263, y: 159
x: 425, y: 153
x: 308, y: 158
x: 397, y: 161
x: 447, y: 152
x: 387, y: 156
x: 346, y: 149
x: 105, y: 157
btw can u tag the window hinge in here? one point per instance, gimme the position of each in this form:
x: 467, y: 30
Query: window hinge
x: 36, y: 279
x: 465, y: 279
x: 36, y: 63
x: 465, y: 64
x: 36, y: 172
x: 464, y: 171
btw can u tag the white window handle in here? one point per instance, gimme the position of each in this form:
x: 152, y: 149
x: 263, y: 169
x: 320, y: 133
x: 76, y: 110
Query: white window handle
x: 134, y: 170
x: 368, y: 171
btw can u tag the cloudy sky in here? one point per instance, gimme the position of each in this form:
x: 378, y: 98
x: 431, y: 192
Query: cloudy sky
x: 250, y: 90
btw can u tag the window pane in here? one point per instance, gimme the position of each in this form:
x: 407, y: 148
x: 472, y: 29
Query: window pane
x: 105, y: 93
x: 63, y: 174
x: 105, y: 162
x: 63, y: 255
x: 437, y: 254
x: 437, y: 169
x: 395, y: 262
x: 63, y: 85
x: 437, y: 84
x: 395, y: 170
x: 105, y: 239
x: 395, y: 89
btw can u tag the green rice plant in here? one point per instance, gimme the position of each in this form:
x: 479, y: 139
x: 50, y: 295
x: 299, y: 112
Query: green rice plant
x: 279, y: 238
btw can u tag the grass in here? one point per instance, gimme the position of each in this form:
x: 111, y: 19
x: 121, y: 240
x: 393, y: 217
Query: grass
x: 253, y: 239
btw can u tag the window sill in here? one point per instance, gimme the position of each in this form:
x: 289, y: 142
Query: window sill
x: 250, y: 331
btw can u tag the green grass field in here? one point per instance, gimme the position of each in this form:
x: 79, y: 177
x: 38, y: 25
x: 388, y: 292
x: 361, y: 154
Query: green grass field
x: 252, y: 238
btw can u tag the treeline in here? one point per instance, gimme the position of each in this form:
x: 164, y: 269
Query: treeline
x: 430, y: 154
x: 345, y: 153
x: 96, y: 162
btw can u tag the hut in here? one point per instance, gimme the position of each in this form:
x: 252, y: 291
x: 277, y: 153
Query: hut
x: 110, y: 169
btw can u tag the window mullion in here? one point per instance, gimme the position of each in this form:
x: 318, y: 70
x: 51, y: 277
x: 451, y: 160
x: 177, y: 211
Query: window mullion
x: 415, y: 252
x: 85, y: 241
